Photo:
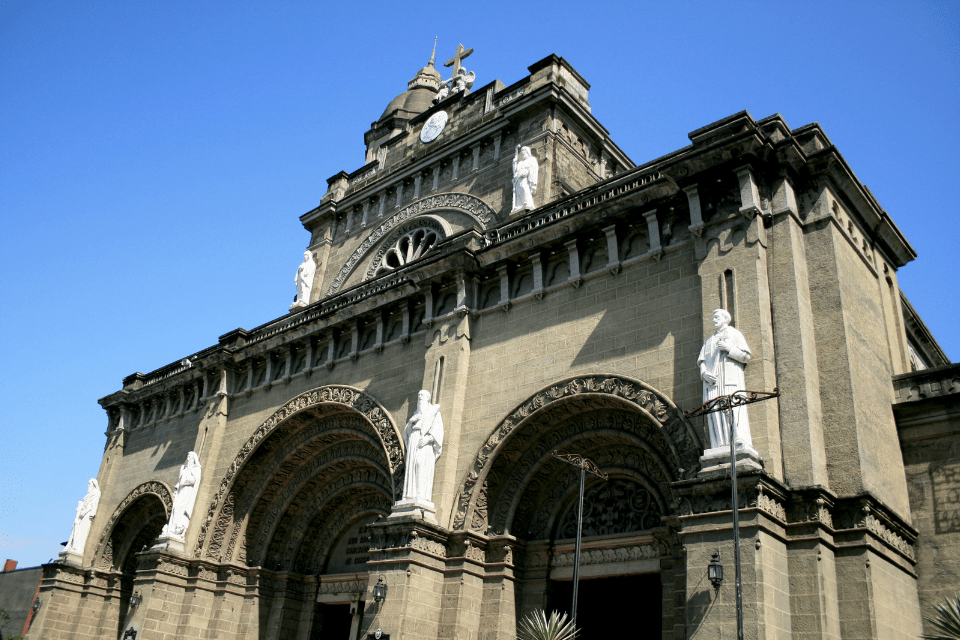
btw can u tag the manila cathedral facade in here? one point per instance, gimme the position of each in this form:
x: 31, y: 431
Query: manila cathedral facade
x: 500, y: 283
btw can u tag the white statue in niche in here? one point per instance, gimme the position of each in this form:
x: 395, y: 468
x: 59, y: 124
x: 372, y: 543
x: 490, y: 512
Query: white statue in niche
x: 304, y: 280
x: 184, y: 497
x: 424, y: 439
x: 86, y: 510
x: 722, y: 361
x: 525, y: 172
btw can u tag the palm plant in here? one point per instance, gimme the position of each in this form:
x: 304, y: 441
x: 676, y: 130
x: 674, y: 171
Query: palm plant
x: 946, y: 621
x: 536, y: 626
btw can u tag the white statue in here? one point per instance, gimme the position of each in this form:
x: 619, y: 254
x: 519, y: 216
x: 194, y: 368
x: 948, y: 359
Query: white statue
x: 304, y: 280
x: 184, y: 497
x: 525, y: 171
x: 86, y: 510
x: 424, y: 438
x: 460, y: 82
x: 721, y: 361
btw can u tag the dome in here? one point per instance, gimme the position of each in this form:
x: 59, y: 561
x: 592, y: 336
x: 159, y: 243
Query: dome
x: 411, y: 103
x: 419, y: 94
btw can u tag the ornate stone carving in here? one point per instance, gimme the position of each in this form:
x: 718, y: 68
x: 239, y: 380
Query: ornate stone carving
x: 728, y: 349
x: 462, y: 202
x: 153, y: 487
x: 683, y: 440
x: 406, y: 245
x: 617, y: 506
x: 424, y: 439
x: 348, y: 397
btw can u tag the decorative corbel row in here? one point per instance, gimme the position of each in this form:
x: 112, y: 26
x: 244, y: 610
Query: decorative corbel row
x: 574, y: 256
x: 653, y: 232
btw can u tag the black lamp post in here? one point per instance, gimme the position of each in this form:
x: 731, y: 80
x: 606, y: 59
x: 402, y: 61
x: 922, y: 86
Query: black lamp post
x: 136, y: 599
x: 380, y: 590
x: 715, y: 571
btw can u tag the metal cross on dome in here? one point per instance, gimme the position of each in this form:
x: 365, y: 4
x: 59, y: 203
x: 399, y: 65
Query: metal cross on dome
x: 455, y: 60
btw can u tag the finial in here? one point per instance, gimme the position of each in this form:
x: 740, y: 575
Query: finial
x: 434, y: 53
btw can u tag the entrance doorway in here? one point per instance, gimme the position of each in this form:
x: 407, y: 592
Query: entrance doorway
x: 331, y: 621
x: 612, y: 607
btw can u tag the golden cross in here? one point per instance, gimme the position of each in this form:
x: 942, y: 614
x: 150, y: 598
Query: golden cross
x: 455, y: 60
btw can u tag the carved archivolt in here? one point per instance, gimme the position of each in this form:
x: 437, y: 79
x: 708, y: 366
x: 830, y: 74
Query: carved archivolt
x: 223, y: 504
x: 682, y: 442
x: 460, y: 202
x: 154, y: 487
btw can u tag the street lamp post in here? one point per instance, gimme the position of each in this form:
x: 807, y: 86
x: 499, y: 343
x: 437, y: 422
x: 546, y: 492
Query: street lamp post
x: 585, y: 465
x: 727, y: 403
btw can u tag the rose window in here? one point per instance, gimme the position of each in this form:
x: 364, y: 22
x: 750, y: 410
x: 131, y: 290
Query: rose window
x: 410, y: 246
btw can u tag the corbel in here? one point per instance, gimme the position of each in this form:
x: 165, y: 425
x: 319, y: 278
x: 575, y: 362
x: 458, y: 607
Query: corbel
x: 381, y: 324
x: 251, y: 370
x: 613, y: 250
x: 366, y: 213
x: 428, y: 305
x: 354, y: 340
x: 504, y: 271
x: 653, y: 232
x: 399, y: 195
x: 749, y: 194
x: 456, y: 166
x: 291, y: 353
x: 497, y: 139
x: 696, y: 214
x: 308, y: 357
x: 463, y: 300
x: 536, y: 264
x: 405, y: 322
x: 417, y: 184
x: 436, y: 177
x: 268, y: 376
x: 331, y: 349
x: 382, y: 206
x: 573, y: 255
x: 476, y: 157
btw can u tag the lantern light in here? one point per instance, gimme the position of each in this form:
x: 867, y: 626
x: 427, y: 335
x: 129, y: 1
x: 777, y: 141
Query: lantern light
x: 380, y: 590
x: 715, y: 571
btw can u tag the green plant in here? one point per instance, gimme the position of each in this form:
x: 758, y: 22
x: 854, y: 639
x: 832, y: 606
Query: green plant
x: 536, y: 626
x: 946, y: 621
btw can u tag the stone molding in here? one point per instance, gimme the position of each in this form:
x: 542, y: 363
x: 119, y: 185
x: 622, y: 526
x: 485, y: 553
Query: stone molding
x: 680, y: 434
x: 928, y: 383
x: 341, y: 395
x: 154, y: 487
x: 460, y: 202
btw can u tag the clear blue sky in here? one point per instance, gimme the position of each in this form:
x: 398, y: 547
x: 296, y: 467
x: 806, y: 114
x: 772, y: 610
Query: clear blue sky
x: 155, y: 157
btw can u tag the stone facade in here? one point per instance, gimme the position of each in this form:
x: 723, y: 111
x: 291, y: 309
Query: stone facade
x: 572, y: 327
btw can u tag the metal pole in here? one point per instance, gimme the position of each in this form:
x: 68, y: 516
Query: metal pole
x: 576, y: 552
x: 734, y: 500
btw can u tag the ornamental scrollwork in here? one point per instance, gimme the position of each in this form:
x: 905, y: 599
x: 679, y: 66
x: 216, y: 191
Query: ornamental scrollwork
x: 617, y: 506
x: 681, y: 435
x: 349, y: 397
x: 153, y: 487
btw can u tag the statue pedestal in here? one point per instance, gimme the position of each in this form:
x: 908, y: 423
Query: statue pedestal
x: 297, y: 305
x: 413, y: 509
x: 716, y: 462
x: 170, y: 544
x: 71, y: 557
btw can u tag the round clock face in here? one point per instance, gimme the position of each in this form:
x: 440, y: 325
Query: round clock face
x: 433, y: 127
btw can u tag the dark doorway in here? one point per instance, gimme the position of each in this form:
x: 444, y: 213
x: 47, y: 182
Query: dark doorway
x: 331, y: 622
x: 612, y: 607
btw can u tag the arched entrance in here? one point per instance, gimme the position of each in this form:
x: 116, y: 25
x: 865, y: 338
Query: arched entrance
x: 305, y: 483
x: 519, y: 490
x: 134, y: 525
